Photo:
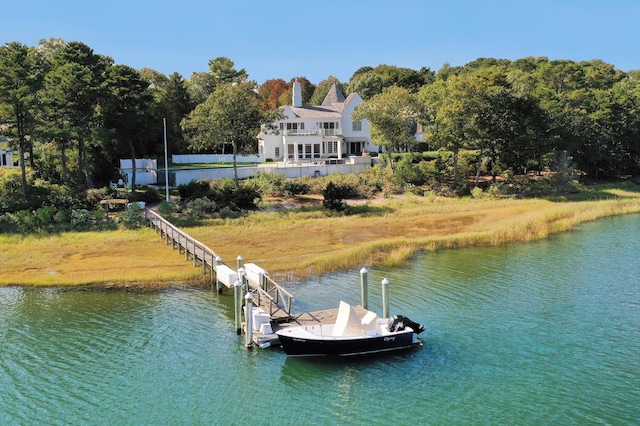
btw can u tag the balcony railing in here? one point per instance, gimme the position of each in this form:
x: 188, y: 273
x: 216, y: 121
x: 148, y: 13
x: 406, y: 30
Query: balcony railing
x: 316, y: 132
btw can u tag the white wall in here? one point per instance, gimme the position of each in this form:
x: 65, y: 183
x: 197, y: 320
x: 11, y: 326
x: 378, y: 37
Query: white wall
x: 353, y: 165
x: 216, y: 158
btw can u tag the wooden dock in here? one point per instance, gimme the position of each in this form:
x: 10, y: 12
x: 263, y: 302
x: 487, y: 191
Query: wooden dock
x: 272, y: 301
x: 267, y: 294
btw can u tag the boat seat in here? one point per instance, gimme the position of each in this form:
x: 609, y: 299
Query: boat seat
x: 369, y: 323
x: 347, y: 322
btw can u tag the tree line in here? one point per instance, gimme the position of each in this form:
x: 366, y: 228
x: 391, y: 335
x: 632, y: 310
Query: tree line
x: 71, y: 113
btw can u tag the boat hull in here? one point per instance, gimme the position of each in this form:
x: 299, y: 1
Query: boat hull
x: 360, y: 345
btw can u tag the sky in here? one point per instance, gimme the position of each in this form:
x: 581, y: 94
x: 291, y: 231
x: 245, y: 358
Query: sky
x: 317, y: 39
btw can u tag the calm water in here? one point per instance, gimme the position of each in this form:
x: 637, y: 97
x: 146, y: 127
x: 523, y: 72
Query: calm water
x: 542, y: 333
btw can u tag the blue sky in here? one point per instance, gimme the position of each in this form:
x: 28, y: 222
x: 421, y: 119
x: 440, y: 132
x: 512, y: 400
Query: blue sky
x: 316, y: 39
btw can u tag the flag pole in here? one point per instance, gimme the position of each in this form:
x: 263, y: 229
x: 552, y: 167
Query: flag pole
x: 166, y: 161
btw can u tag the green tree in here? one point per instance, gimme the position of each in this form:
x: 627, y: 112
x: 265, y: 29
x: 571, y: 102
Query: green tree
x: 390, y: 115
x: 128, y: 113
x: 231, y: 115
x: 20, y: 79
x: 71, y: 94
x: 221, y: 71
x: 72, y: 97
x: 450, y: 107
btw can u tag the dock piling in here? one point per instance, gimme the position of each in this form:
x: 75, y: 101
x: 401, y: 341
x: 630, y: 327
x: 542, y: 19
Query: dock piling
x: 385, y: 298
x: 217, y: 281
x: 237, y: 298
x: 364, y: 287
x: 249, y: 320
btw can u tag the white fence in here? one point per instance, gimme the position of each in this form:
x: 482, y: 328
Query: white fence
x: 146, y: 170
x: 290, y: 170
x: 215, y: 158
x: 147, y: 173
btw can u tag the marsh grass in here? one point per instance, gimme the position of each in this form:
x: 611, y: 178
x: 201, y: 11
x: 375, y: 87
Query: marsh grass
x: 76, y: 259
x: 311, y: 241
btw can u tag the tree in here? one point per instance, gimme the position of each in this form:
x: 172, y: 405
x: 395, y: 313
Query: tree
x: 127, y: 112
x: 172, y: 101
x: 390, y: 115
x: 307, y: 91
x: 221, y: 71
x: 450, y: 106
x: 71, y: 94
x: 270, y: 91
x: 19, y: 81
x: 231, y: 115
x: 71, y: 98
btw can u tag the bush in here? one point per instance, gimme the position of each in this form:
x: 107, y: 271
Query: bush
x: 81, y: 219
x: 408, y: 173
x: 476, y: 192
x: 334, y: 196
x: 166, y: 208
x: 132, y: 217
x: 293, y: 187
x: 200, y: 207
x: 193, y: 190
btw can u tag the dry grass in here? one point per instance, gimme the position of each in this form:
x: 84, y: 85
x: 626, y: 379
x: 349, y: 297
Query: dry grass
x: 303, y: 243
x: 74, y: 259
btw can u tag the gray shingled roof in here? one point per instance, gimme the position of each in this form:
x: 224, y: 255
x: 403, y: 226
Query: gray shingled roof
x: 331, y: 107
x: 334, y: 96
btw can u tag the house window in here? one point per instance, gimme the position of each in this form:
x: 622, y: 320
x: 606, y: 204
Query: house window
x: 316, y: 150
x: 357, y: 126
x: 331, y: 147
x: 307, y: 151
x: 330, y: 128
x: 291, y: 152
x: 277, y: 152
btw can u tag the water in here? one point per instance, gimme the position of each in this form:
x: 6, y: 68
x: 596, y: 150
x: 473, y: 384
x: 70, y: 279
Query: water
x: 541, y: 333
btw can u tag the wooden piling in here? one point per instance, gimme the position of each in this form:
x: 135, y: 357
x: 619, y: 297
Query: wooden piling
x: 364, y: 287
x: 385, y: 298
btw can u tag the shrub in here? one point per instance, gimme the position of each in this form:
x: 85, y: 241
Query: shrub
x: 132, y: 217
x: 166, y: 208
x: 476, y: 192
x: 228, y: 213
x: 334, y: 196
x: 193, y: 190
x: 408, y: 173
x: 81, y: 219
x: 145, y: 193
x: 293, y: 187
x: 200, y: 207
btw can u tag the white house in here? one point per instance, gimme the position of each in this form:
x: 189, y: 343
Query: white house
x: 312, y: 133
x: 7, y: 157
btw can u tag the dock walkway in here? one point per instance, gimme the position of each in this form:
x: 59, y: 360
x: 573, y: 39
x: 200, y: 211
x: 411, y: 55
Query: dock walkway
x: 271, y: 303
x: 267, y: 294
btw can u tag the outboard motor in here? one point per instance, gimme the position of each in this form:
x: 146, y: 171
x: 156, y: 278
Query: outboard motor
x: 399, y: 322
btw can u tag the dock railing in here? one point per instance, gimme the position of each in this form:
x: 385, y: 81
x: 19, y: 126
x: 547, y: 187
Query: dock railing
x: 269, y: 294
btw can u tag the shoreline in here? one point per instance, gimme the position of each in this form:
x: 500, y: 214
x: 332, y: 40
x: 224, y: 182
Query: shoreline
x: 388, y: 232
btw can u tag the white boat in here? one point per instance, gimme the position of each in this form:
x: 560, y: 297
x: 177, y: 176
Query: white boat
x: 351, y: 335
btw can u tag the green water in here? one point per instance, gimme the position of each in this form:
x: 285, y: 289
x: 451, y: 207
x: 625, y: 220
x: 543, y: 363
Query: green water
x: 541, y: 333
